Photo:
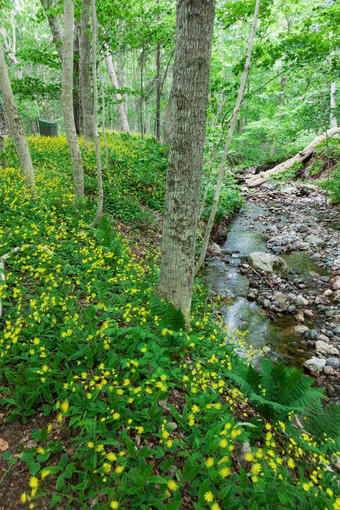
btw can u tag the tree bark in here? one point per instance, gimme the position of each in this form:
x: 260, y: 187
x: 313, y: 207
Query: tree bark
x: 67, y: 100
x: 158, y: 93
x: 333, y: 121
x: 300, y: 157
x: 77, y: 106
x: 99, y: 211
x: 167, y: 122
x: 102, y: 86
x: 85, y: 72
x: 124, y: 123
x: 194, y: 27
x: 3, y: 162
x: 14, y: 125
x: 228, y: 142
x: 56, y: 31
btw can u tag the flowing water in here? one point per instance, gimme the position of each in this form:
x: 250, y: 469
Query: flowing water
x: 272, y: 337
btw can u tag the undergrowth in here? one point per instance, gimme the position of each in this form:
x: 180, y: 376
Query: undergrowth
x: 139, y: 413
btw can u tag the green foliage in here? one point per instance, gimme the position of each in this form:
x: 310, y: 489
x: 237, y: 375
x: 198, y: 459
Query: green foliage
x: 277, y: 390
x: 230, y: 198
x: 166, y: 313
x: 136, y: 410
x: 332, y: 185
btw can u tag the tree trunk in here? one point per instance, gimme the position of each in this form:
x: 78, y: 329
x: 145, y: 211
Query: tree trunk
x: 3, y: 162
x: 300, y: 157
x: 85, y: 72
x: 141, y: 99
x: 158, y: 93
x: 167, y: 122
x: 99, y: 211
x: 56, y: 31
x: 124, y: 123
x: 333, y: 106
x: 14, y: 124
x: 67, y: 100
x: 102, y: 86
x: 194, y: 27
x: 228, y: 142
x: 77, y: 107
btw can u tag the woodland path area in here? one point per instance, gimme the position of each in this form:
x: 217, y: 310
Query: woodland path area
x: 297, y: 222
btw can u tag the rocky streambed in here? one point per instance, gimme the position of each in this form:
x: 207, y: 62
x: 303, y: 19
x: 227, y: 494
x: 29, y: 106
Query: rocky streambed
x: 279, y: 275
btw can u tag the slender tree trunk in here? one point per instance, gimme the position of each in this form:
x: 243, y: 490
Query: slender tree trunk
x: 102, y: 86
x: 67, y: 100
x: 99, y: 211
x: 141, y: 100
x: 333, y: 121
x: 158, y: 93
x: 56, y: 31
x: 228, y: 142
x: 85, y: 72
x: 124, y: 123
x: 2, y: 152
x: 167, y: 122
x: 77, y: 107
x: 14, y: 124
x: 194, y: 27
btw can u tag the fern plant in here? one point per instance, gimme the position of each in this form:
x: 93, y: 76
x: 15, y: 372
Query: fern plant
x: 276, y: 390
x: 169, y: 316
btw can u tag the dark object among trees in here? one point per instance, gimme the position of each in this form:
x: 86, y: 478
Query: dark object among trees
x: 47, y: 128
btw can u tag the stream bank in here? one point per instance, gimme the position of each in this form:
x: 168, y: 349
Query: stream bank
x: 293, y: 317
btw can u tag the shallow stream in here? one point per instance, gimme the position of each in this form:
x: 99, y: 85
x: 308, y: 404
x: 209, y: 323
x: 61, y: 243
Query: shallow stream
x: 273, y: 337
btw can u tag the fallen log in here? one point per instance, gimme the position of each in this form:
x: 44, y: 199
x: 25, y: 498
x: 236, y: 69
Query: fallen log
x: 300, y: 157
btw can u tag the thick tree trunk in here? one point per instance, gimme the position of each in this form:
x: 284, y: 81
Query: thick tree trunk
x: 124, y: 123
x: 67, y: 100
x: 99, y: 211
x: 14, y: 124
x: 333, y: 106
x: 228, y: 142
x: 300, y: 157
x: 85, y: 72
x: 194, y: 27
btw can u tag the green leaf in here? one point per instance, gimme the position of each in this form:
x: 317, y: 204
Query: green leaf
x: 158, y: 479
x: 34, y: 468
x: 204, y: 487
x: 244, y: 478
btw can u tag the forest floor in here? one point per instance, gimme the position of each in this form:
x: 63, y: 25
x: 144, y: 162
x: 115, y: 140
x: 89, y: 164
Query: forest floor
x: 106, y: 400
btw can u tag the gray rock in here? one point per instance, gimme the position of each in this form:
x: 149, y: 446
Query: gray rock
x: 335, y: 283
x: 280, y: 297
x: 301, y: 301
x: 215, y: 250
x: 323, y: 347
x: 337, y: 330
x: 315, y: 365
x: 312, y: 334
x: 336, y: 296
x: 333, y: 362
x: 328, y: 292
x: 262, y: 261
x: 299, y: 330
x: 315, y: 240
x: 328, y: 370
